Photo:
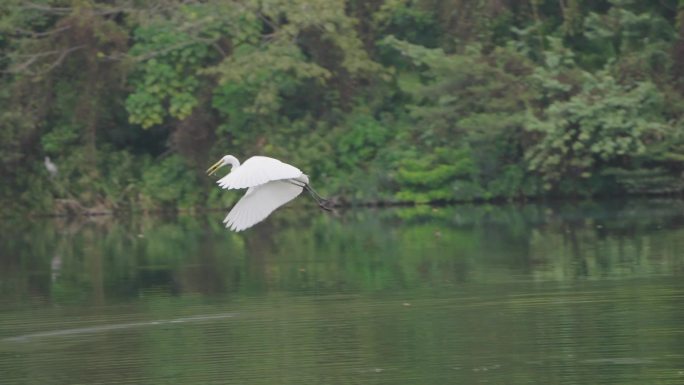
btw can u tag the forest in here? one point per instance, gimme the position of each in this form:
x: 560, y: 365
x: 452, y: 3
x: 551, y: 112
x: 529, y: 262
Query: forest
x: 379, y: 101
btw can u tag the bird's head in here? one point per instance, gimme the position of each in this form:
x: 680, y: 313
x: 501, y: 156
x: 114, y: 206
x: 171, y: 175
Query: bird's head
x: 226, y: 160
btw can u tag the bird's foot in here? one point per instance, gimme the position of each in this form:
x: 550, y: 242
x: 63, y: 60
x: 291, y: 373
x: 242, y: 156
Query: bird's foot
x: 324, y: 206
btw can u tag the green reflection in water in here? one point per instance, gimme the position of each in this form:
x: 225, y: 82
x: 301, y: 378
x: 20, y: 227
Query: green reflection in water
x: 569, y: 294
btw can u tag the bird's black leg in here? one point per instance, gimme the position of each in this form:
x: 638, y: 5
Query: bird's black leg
x: 320, y: 200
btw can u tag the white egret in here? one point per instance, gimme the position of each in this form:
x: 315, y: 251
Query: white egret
x: 270, y: 184
x: 51, y: 167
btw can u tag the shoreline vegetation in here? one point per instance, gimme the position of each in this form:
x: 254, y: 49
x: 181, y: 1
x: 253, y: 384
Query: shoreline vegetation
x: 114, y: 106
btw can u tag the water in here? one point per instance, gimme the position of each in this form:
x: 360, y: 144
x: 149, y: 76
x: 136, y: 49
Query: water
x: 581, y: 293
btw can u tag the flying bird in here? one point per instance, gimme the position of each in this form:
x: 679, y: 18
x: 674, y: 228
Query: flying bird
x: 270, y: 184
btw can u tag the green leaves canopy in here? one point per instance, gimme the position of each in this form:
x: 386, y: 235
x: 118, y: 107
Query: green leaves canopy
x: 413, y: 100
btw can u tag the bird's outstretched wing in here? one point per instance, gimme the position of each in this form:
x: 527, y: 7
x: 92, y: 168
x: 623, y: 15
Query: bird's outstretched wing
x: 256, y: 171
x: 259, y: 202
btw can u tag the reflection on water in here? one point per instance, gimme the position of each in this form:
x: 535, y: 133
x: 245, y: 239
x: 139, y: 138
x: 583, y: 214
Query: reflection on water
x: 582, y: 293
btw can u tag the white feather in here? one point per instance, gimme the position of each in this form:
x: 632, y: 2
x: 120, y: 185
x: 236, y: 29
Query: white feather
x: 259, y: 202
x: 258, y: 170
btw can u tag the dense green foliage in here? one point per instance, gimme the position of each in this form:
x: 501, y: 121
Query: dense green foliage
x: 378, y: 101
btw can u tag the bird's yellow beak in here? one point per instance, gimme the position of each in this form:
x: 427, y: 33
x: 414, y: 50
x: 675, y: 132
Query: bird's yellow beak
x: 215, y: 167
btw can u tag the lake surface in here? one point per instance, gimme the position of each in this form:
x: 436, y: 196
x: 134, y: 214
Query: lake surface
x: 575, y: 293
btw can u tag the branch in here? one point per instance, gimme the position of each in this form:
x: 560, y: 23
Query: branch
x: 220, y: 50
x: 42, y: 34
x: 67, y: 10
x: 34, y: 57
x: 63, y: 55
x: 48, y: 9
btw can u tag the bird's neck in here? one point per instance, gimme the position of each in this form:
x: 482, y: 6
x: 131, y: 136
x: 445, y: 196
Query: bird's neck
x: 232, y: 161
